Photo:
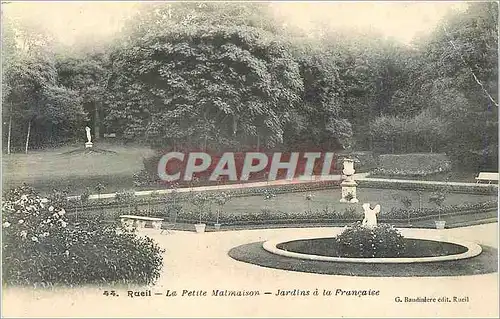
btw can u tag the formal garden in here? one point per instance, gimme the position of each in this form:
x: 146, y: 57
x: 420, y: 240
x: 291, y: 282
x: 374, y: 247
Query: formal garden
x: 419, y: 122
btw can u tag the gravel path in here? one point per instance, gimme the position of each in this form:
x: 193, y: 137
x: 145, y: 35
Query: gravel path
x: 195, y: 263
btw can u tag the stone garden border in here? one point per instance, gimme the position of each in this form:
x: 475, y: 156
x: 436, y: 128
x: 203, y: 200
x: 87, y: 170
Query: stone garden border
x: 473, y: 250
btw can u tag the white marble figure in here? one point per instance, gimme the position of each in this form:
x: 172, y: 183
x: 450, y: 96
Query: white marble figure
x: 370, y: 220
x: 89, y: 138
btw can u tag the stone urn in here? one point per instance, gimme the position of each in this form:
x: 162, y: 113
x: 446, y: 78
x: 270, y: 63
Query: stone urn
x: 348, y: 167
x: 440, y: 224
x: 200, y: 227
x: 348, y: 185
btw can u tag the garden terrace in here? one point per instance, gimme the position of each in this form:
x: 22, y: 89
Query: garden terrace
x: 248, y: 206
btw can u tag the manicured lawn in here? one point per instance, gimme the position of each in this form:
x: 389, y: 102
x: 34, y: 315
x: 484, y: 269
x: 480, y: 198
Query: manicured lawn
x: 49, y: 169
x: 296, y: 202
x: 485, y: 263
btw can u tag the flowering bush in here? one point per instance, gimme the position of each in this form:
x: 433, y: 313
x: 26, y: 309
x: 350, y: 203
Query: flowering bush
x: 381, y: 241
x: 41, y: 246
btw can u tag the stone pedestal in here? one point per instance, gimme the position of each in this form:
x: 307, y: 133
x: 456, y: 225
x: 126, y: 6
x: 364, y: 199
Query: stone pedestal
x: 88, y: 144
x: 348, y: 187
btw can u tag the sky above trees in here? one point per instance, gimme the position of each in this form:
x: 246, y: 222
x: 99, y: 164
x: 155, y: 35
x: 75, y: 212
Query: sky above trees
x: 70, y: 22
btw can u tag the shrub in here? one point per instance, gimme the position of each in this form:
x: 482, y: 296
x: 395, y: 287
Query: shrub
x: 380, y: 241
x: 41, y: 247
x: 126, y: 197
x: 423, y: 132
x: 350, y: 213
x: 412, y: 164
x: 405, y: 200
x: 480, y: 189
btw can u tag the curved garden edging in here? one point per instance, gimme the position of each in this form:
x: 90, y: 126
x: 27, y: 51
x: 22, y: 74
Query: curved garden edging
x: 472, y: 251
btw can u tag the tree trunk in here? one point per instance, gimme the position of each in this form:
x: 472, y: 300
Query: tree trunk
x: 9, y: 133
x: 258, y: 142
x: 235, y: 125
x: 28, y: 137
x: 96, y: 122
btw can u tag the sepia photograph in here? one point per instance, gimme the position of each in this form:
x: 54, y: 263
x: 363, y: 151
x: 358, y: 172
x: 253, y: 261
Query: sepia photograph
x: 249, y: 159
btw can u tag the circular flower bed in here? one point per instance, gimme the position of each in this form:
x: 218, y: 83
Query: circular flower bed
x: 413, y: 248
x: 380, y: 244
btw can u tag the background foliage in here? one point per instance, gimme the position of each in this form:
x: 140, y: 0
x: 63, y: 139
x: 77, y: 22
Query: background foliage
x: 216, y: 76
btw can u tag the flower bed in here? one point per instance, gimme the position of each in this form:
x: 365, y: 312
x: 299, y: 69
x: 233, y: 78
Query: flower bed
x: 355, y: 241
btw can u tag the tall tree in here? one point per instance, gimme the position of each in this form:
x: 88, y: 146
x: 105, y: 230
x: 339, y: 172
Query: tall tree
x: 461, y: 71
x: 319, y: 123
x: 87, y: 74
x: 39, y: 109
x: 204, y: 85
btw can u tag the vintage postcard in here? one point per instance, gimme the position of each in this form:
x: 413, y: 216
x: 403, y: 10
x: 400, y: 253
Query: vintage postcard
x: 250, y: 159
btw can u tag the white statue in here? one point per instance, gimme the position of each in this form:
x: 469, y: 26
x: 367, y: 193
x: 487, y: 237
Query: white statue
x: 89, y: 138
x: 370, y: 220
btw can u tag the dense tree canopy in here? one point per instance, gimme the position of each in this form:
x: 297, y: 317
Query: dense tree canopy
x: 454, y: 74
x: 222, y: 86
x: 220, y: 76
x: 88, y: 75
x: 38, y: 109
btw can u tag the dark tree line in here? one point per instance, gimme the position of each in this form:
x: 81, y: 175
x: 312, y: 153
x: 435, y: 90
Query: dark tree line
x: 218, y: 76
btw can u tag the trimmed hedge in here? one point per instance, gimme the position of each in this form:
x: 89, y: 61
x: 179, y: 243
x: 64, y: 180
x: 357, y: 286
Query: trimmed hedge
x: 476, y: 189
x: 420, y: 164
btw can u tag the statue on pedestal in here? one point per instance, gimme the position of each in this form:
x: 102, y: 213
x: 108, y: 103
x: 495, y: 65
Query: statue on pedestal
x: 370, y: 220
x: 89, y: 137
